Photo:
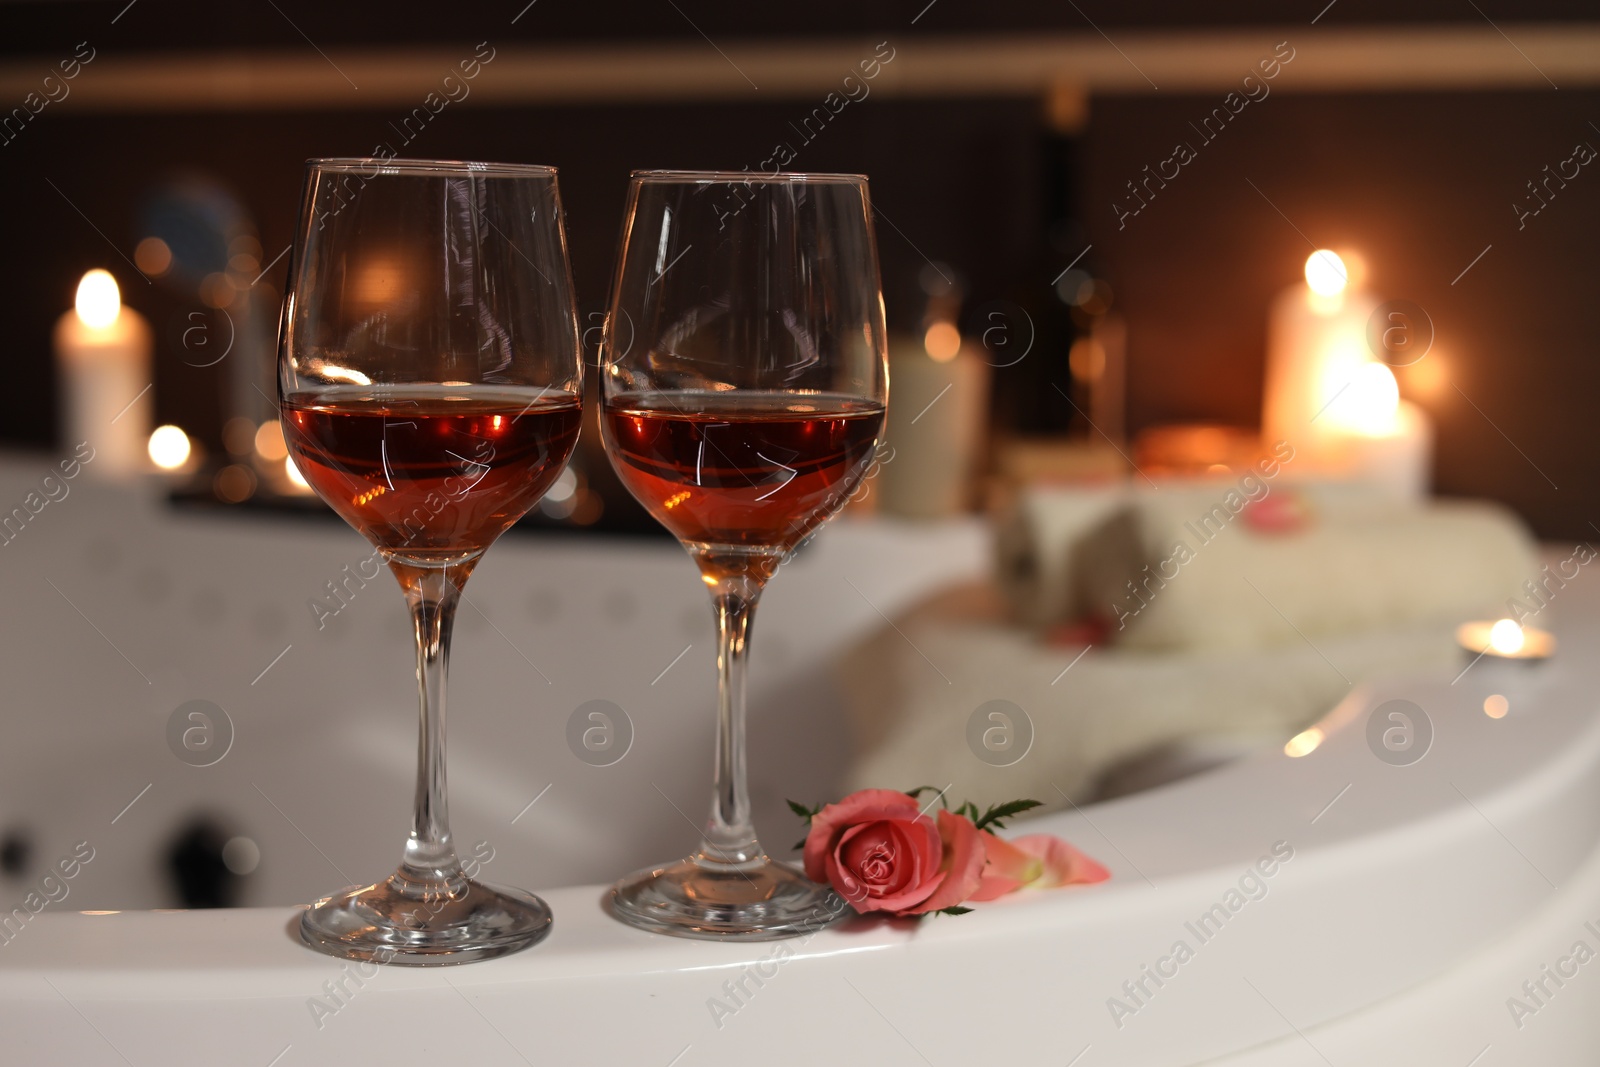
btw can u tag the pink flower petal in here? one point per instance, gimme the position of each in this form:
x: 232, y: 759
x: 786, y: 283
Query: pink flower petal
x: 962, y: 867
x: 866, y: 805
x: 1008, y: 868
x: 894, y: 903
x: 1063, y: 864
x: 925, y: 877
x: 877, y: 854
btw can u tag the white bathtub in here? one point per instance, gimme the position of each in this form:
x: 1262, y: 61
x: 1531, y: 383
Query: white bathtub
x: 1415, y: 904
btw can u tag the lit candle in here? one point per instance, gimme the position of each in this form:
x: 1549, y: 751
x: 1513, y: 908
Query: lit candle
x: 1505, y: 639
x: 1382, y: 440
x: 1326, y: 394
x: 103, y: 351
x: 941, y: 394
x: 1316, y: 337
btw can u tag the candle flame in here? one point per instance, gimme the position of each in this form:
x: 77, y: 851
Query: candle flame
x: 1363, y: 398
x: 98, y: 302
x: 1326, y: 273
x: 1506, y: 638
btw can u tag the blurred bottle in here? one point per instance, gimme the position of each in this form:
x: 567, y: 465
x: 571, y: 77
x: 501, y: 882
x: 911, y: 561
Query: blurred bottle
x: 1059, y: 405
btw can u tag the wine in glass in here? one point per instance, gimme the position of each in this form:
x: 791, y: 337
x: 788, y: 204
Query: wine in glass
x: 431, y: 390
x: 743, y: 389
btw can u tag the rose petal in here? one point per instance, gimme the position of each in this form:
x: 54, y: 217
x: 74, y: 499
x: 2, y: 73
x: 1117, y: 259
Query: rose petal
x: 882, y: 841
x: 895, y: 904
x: 962, y: 867
x: 1008, y: 867
x: 918, y: 862
x: 1282, y: 512
x: 1063, y: 864
x: 866, y: 805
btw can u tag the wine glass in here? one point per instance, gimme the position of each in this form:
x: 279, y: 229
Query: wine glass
x: 743, y: 392
x: 431, y: 388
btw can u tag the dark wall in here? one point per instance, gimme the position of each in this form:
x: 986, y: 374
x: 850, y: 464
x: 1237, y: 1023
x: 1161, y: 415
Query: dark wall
x: 1420, y: 184
x: 958, y: 179
x: 30, y: 27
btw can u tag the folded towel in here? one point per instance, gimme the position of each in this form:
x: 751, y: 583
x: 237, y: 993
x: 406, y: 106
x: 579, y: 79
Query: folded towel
x: 1191, y: 570
x: 1042, y: 535
x: 1037, y: 542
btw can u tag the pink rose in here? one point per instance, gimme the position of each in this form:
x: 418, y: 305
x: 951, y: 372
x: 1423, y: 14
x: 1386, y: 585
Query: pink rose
x: 882, y: 853
x: 1038, y: 861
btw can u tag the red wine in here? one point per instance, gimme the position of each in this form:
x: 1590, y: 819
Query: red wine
x: 754, y: 470
x: 429, y: 477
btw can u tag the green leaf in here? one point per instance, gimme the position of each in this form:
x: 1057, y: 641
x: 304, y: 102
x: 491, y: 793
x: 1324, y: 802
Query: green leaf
x: 801, y: 810
x: 995, y: 817
x: 954, y: 909
x: 916, y: 794
x: 799, y: 844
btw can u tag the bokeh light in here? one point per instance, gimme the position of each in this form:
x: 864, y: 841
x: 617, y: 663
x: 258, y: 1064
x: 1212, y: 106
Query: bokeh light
x: 169, y: 447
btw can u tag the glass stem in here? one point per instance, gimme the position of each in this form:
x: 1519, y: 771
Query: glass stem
x: 730, y: 839
x: 431, y: 868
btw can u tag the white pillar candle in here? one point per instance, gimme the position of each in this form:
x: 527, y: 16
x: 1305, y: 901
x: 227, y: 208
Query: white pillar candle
x: 103, y: 352
x: 940, y: 391
x: 1330, y: 398
x: 1397, y: 458
x: 1316, y: 340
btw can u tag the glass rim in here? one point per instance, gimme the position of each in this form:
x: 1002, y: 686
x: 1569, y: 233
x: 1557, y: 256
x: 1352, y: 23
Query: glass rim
x: 376, y: 165
x: 688, y: 177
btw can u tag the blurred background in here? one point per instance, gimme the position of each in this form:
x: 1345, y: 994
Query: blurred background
x: 1025, y: 165
x: 1324, y: 267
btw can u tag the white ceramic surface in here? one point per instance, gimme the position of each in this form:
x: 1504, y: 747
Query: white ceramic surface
x: 1418, y: 900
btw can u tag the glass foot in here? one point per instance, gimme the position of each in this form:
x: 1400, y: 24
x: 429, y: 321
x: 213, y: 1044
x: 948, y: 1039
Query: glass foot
x: 757, y: 901
x: 392, y: 922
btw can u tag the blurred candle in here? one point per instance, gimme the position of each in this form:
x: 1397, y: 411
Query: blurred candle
x: 1506, y: 639
x: 1326, y: 394
x: 103, y: 354
x: 1387, y: 442
x: 940, y: 386
x: 1316, y: 338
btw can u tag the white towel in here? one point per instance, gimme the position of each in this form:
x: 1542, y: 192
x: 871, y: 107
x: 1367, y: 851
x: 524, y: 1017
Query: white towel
x: 1037, y: 542
x: 1042, y: 534
x: 1184, y: 571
